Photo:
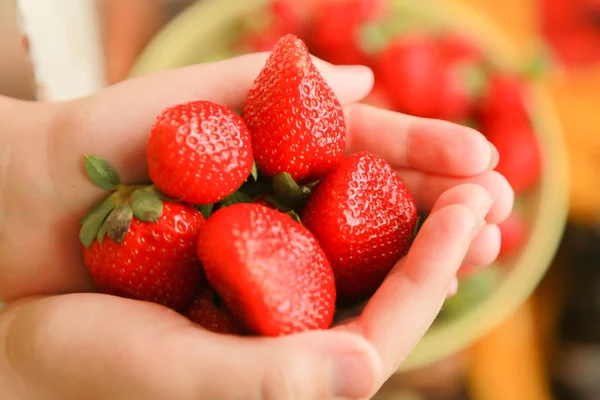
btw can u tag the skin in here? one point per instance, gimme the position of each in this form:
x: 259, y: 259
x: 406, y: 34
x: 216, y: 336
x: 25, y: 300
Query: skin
x: 58, y: 339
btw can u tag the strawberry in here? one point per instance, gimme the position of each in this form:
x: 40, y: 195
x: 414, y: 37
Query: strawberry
x: 363, y: 216
x: 208, y: 311
x: 335, y: 29
x: 270, y: 270
x: 459, y: 47
x: 506, y: 98
x: 138, y: 245
x: 297, y: 123
x: 199, y: 152
x: 514, y: 233
x: 520, y: 153
x: 423, y: 81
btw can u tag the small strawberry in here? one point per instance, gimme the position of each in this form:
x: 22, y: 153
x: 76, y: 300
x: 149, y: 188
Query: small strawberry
x: 269, y: 270
x: 297, y: 123
x: 506, y: 98
x: 208, y: 311
x: 423, y: 81
x: 363, y: 216
x: 520, y: 153
x: 514, y: 233
x: 335, y: 29
x: 199, y: 152
x: 139, y: 246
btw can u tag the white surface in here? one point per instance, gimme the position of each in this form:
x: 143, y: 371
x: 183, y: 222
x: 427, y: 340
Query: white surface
x: 66, y: 47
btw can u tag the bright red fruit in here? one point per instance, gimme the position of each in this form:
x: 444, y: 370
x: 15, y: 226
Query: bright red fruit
x: 208, y: 311
x: 514, y: 233
x: 430, y: 78
x: 520, y: 154
x: 410, y: 70
x: 335, y: 29
x: 155, y: 261
x: 199, y: 152
x: 506, y: 99
x: 269, y: 270
x: 363, y: 216
x: 297, y: 123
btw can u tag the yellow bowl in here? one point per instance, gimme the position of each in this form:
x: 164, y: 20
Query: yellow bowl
x: 199, y: 34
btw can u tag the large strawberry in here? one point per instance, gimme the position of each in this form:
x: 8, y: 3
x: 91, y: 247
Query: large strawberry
x: 139, y: 246
x: 269, y: 269
x: 199, y: 152
x: 208, y: 311
x: 363, y: 216
x: 297, y: 123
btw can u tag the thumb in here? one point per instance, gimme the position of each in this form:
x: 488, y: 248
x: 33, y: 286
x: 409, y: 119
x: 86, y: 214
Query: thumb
x: 311, y: 365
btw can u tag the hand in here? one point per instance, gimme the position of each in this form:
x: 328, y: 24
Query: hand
x: 95, y: 345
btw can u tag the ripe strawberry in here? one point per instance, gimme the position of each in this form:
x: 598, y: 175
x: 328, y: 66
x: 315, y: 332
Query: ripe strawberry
x: 408, y: 68
x: 138, y: 246
x: 506, y: 98
x: 269, y: 270
x: 199, y: 152
x: 335, y: 29
x: 208, y: 311
x: 458, y: 47
x: 423, y: 80
x: 297, y: 123
x: 514, y: 233
x: 520, y: 153
x: 363, y: 216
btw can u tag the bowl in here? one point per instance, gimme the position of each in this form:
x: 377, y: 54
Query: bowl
x: 200, y: 34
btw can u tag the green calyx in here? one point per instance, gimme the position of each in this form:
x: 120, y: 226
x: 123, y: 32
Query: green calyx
x: 475, y: 78
x: 288, y: 192
x: 112, y: 216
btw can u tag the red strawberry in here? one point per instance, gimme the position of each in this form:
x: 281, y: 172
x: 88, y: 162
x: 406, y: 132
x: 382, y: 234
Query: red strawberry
x: 199, y: 152
x: 423, y: 80
x: 297, y: 123
x: 363, y: 216
x: 458, y: 47
x: 520, y: 153
x: 208, y: 311
x: 514, y: 233
x: 335, y: 29
x: 506, y: 98
x: 269, y: 270
x: 138, y: 246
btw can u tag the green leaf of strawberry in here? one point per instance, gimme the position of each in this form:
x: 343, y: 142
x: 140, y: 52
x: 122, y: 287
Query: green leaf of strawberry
x: 205, y: 209
x: 94, y: 221
x: 288, y: 192
x: 294, y: 216
x: 101, y: 173
x: 118, y: 222
x: 147, y: 205
x: 254, y: 172
x: 235, y: 198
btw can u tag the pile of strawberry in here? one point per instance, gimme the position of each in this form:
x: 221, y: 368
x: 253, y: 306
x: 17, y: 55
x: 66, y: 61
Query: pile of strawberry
x: 430, y: 73
x: 252, y: 224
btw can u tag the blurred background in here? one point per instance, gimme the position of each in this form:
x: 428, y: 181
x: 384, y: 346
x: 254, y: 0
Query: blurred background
x: 524, y: 72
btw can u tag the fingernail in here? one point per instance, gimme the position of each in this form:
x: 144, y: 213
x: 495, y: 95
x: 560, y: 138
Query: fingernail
x: 352, y: 376
x: 494, y: 157
x: 453, y: 289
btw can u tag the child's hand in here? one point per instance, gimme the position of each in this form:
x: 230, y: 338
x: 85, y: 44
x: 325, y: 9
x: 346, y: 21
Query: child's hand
x: 95, y: 346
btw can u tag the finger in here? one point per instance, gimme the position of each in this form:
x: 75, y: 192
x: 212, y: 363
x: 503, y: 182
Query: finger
x: 408, y: 300
x: 485, y: 247
x: 427, y: 188
x: 422, y: 144
x: 141, y: 350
